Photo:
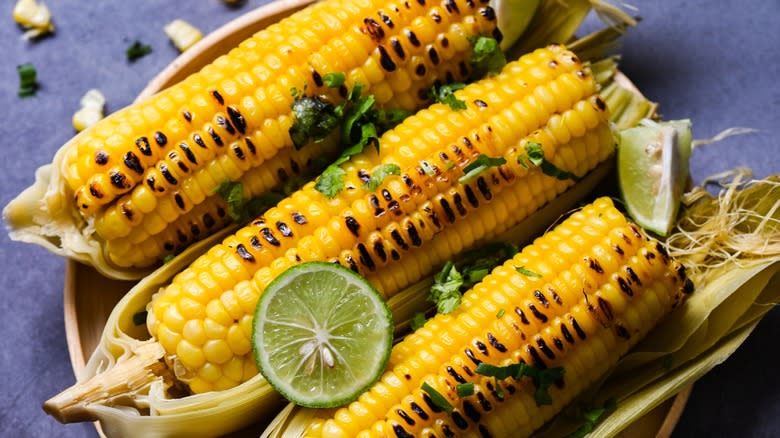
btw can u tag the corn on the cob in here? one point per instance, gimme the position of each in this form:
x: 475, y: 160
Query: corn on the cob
x: 600, y: 285
x: 140, y: 171
x: 204, y: 318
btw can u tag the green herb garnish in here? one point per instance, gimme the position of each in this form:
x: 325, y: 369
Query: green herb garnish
x: 389, y: 119
x: 486, y: 57
x: 330, y: 183
x: 313, y: 119
x: 241, y: 209
x: 333, y: 80
x: 591, y: 418
x: 418, y: 320
x: 379, y: 174
x: 542, y: 379
x: 445, y: 292
x: 499, y: 389
x: 535, y: 156
x: 168, y: 258
x: 500, y: 314
x: 439, y: 400
x: 465, y: 389
x: 139, y: 318
x: 527, y: 272
x: 137, y: 50
x: 428, y: 168
x: 481, y: 164
x: 28, y: 80
x: 446, y: 94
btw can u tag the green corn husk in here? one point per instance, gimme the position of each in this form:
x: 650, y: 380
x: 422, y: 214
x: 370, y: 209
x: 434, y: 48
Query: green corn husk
x: 732, y: 246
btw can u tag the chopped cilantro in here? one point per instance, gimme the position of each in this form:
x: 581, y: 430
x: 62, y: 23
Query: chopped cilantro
x: 445, y: 292
x: 28, y: 80
x: 499, y: 389
x: 313, y: 119
x: 168, y: 258
x: 591, y: 418
x: 333, y: 80
x: 439, y: 400
x: 389, y: 119
x: 418, y: 320
x: 139, y: 318
x: 542, y: 379
x: 446, y: 94
x: 527, y: 272
x: 137, y: 50
x: 486, y: 57
x: 481, y: 164
x: 535, y: 156
x: 241, y: 209
x: 330, y: 183
x: 379, y: 174
x: 500, y: 314
x: 465, y: 389
x: 428, y: 168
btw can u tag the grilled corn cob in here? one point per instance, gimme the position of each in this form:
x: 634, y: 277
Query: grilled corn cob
x: 415, y: 220
x: 599, y: 286
x: 139, y: 171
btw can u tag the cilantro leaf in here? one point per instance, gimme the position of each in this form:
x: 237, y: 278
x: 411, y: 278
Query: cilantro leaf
x: 481, y: 164
x: 241, y: 209
x: 313, y: 119
x: 418, y: 320
x: 446, y: 94
x: 486, y: 57
x: 334, y: 80
x: 527, y: 272
x: 168, y: 258
x: 28, y: 80
x: 542, y: 379
x: 465, y: 389
x: 379, y: 174
x: 439, y: 400
x: 445, y: 292
x: 330, y: 183
x: 389, y: 119
x: 535, y: 155
x: 139, y: 318
x: 591, y: 418
x: 137, y: 50
x: 500, y: 314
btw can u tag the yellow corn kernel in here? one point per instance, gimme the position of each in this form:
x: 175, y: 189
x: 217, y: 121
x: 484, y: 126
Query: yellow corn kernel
x: 35, y: 16
x: 92, y: 104
x: 183, y: 35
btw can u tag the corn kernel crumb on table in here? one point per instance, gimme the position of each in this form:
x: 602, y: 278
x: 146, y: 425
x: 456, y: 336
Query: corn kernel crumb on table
x: 714, y: 63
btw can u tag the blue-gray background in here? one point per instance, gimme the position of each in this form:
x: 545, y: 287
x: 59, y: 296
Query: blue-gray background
x: 716, y: 62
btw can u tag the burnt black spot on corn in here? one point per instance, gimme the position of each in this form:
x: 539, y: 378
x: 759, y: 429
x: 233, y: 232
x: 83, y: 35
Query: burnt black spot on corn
x: 385, y: 60
x: 269, y: 237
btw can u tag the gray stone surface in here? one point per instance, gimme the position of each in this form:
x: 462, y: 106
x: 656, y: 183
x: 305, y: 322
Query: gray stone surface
x: 716, y: 62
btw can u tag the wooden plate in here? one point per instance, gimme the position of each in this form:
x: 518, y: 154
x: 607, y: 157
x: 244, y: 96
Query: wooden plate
x: 90, y: 297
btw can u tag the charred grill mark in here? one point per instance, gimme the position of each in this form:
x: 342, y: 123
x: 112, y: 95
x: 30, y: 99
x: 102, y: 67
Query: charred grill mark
x: 251, y: 147
x: 600, y: 104
x: 239, y: 152
x: 420, y: 412
x: 481, y: 347
x: 351, y: 263
x: 458, y: 200
x: 244, y: 254
x: 352, y: 225
x: 412, y: 37
x: 558, y: 344
x: 238, y: 120
x: 420, y: 70
x: 470, y: 355
x: 649, y: 255
x: 284, y: 229
x: 470, y: 196
x: 618, y: 249
x: 433, y: 55
x: 298, y: 218
x: 458, y: 378
x: 537, y: 314
x: 218, y: 97
x: 142, y: 143
x: 622, y: 331
x: 384, y: 59
x: 662, y: 250
x: 379, y: 250
x: 680, y: 272
x: 459, y: 420
x: 386, y: 194
x: 95, y: 191
x: 398, y: 48
x: 555, y: 296
x: 365, y: 257
x: 463, y: 69
x: 431, y: 405
x: 133, y: 163
x: 541, y: 298
x: 688, y: 286
x: 399, y: 240
x: 576, y: 326
x: 404, y: 416
x: 188, y: 153
x: 214, y: 136
x: 495, y: 344
x: 317, y: 78
x: 480, y: 103
x: 484, y: 403
x: 637, y: 233
x: 221, y: 212
x: 470, y: 411
x: 282, y: 174
x: 451, y: 6
x: 179, y: 200
x: 181, y: 236
x: 269, y: 237
x: 566, y: 334
x: 168, y: 246
x: 208, y: 220
x: 414, y: 236
x: 386, y: 19
x: 484, y: 189
x: 537, y: 360
x: 255, y: 242
x: 374, y: 29
x: 394, y: 255
x: 119, y: 180
x: 223, y: 122
x: 363, y: 175
x: 127, y: 211
x: 187, y: 115
x: 594, y: 265
x: 435, y: 15
x: 488, y: 13
x: 522, y: 316
x: 544, y: 348
x: 199, y: 141
x: 484, y: 432
x: 400, y: 432
x: 625, y: 287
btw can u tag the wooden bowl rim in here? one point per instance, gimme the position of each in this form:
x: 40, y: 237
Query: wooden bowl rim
x: 245, y: 22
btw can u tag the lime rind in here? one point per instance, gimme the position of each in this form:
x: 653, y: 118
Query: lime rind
x: 322, y: 335
x: 653, y: 170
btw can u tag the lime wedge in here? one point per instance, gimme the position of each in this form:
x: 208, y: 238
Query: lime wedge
x: 652, y: 171
x: 322, y: 335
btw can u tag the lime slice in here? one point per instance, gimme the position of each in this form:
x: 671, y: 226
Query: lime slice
x: 653, y: 170
x: 322, y: 335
